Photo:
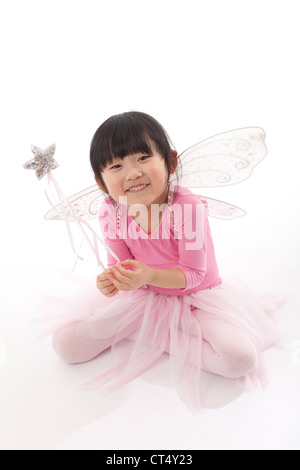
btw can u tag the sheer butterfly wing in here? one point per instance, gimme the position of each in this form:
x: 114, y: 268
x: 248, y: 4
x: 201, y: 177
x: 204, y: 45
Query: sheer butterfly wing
x: 221, y: 209
x: 85, y: 203
x: 223, y: 159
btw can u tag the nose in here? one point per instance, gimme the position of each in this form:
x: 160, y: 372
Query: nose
x: 133, y: 173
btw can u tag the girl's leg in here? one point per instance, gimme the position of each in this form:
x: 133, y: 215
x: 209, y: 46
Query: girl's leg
x: 227, y: 350
x: 74, y: 349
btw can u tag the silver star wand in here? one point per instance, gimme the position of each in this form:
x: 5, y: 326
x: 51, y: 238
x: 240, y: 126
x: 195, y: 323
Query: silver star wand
x: 43, y: 162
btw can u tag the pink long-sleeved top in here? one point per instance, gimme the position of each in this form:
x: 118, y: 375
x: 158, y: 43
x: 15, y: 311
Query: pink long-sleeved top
x: 182, y: 240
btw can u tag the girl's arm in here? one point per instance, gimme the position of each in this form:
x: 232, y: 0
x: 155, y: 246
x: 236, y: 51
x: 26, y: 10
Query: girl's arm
x: 191, y: 226
x: 173, y: 278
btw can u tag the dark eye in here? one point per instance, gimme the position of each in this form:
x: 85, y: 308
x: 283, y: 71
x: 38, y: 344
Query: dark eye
x: 115, y: 167
x: 144, y: 157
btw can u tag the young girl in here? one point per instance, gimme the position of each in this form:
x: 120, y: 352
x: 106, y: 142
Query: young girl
x: 165, y: 294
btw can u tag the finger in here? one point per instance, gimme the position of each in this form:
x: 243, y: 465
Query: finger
x: 103, y: 275
x: 117, y: 284
x: 104, y: 283
x: 125, y: 272
x: 129, y: 262
x: 102, y: 278
x: 119, y: 276
x: 105, y: 278
x: 114, y: 280
x: 112, y: 293
x: 120, y: 285
x: 109, y: 289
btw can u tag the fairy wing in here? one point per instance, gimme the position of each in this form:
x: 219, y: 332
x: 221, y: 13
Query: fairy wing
x: 221, y: 209
x: 85, y: 203
x: 223, y: 159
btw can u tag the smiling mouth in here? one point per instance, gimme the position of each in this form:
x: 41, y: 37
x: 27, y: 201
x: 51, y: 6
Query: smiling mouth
x: 135, y: 189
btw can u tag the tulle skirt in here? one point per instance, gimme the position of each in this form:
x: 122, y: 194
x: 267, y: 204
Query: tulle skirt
x: 153, y: 320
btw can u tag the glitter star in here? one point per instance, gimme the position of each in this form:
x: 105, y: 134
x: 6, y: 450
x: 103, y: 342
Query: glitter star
x: 43, y: 161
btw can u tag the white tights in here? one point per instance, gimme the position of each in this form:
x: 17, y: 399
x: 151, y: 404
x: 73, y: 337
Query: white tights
x: 226, y: 350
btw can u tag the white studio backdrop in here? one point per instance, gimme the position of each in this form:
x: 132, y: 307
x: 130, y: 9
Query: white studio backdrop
x: 200, y: 68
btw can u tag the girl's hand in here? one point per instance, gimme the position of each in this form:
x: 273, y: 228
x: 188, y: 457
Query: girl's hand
x: 125, y: 279
x: 105, y: 285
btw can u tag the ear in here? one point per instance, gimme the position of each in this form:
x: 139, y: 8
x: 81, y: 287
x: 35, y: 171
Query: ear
x: 103, y: 188
x: 174, y: 161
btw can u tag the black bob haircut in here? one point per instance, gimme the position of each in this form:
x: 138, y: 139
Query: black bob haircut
x: 127, y: 134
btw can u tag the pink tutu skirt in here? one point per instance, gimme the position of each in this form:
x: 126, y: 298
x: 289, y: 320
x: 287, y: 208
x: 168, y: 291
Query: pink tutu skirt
x: 143, y: 322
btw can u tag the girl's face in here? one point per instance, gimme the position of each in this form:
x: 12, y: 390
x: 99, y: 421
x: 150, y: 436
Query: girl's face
x: 143, y: 179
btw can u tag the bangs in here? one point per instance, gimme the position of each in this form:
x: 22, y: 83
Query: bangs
x: 126, y: 141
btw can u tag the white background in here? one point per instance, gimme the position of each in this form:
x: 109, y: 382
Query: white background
x: 200, y: 68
